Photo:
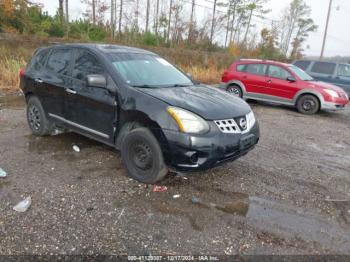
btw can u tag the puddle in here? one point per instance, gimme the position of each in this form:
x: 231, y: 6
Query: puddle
x: 286, y: 221
x: 12, y: 102
x: 290, y: 221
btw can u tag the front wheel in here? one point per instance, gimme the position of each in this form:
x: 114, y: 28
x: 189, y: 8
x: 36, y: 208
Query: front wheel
x: 308, y: 105
x: 142, y: 156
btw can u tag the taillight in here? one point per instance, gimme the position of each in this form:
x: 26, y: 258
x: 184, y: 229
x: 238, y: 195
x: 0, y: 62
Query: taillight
x: 22, y: 71
x: 224, y: 75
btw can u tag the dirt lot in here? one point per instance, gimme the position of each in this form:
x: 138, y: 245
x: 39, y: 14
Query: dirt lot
x: 291, y: 195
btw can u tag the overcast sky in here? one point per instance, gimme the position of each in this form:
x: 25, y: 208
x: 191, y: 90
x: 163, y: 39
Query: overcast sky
x: 338, y: 42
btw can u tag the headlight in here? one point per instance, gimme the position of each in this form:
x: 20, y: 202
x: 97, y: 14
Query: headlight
x: 250, y: 120
x: 188, y: 122
x: 332, y: 93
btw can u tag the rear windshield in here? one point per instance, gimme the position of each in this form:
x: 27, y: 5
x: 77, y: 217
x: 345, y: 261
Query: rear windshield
x: 146, y: 70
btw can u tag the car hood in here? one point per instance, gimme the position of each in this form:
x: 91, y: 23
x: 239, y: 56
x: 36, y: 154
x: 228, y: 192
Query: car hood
x: 207, y: 102
x: 319, y: 84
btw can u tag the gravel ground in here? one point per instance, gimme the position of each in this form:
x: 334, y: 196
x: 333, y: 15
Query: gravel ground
x: 290, y: 195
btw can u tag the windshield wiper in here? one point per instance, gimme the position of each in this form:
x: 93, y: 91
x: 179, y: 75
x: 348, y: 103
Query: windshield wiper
x: 145, y: 86
x: 178, y: 85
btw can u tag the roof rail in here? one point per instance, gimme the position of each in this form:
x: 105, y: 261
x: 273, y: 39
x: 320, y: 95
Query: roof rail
x: 250, y: 59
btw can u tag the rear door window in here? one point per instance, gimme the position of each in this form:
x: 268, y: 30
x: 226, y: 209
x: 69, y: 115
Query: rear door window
x: 86, y: 64
x: 278, y: 72
x: 325, y: 68
x: 343, y: 70
x: 302, y: 64
x: 256, y: 69
x: 59, y: 61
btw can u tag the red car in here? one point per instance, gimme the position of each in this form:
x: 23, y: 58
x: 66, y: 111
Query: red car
x: 282, y: 83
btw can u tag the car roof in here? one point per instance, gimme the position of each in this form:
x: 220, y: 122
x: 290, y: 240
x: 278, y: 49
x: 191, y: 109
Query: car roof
x: 105, y: 48
x: 325, y: 61
x: 261, y: 61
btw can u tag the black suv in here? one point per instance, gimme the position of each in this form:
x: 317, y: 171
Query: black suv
x: 139, y: 103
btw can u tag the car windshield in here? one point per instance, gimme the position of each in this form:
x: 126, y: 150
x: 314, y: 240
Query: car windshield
x: 148, y: 71
x: 301, y: 73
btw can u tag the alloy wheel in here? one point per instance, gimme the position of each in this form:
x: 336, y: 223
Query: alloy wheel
x: 34, y: 117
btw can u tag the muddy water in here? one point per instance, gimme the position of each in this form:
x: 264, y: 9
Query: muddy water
x: 270, y: 216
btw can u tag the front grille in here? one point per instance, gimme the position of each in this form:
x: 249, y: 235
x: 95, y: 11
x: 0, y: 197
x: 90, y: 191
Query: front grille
x: 237, y: 125
x: 228, y: 126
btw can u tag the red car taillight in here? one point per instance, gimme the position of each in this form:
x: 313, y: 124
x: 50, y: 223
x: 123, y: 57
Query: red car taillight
x: 22, y: 71
x: 224, y: 75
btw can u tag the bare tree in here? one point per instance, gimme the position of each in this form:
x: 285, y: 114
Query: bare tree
x: 147, y: 15
x: 156, y: 18
x: 113, y: 3
x: 120, y: 17
x: 60, y: 10
x: 228, y: 21
x: 136, y: 19
x: 169, y: 20
x: 213, y: 22
x: 191, y: 25
x: 67, y: 18
x: 93, y: 11
x: 67, y: 12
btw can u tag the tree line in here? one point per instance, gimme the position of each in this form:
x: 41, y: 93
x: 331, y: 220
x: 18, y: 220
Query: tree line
x: 199, y: 24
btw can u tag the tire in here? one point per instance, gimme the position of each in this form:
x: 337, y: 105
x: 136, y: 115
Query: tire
x: 308, y: 104
x: 142, y: 156
x: 235, y: 90
x: 36, y: 117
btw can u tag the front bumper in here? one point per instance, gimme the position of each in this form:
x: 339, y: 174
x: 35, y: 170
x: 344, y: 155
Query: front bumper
x: 200, y: 152
x: 336, y: 104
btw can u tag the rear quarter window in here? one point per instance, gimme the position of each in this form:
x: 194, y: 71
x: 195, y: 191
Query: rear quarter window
x: 302, y: 64
x: 39, y: 59
x: 240, y: 68
x: 325, y: 68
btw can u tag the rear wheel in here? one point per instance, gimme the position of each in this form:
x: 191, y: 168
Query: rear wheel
x: 36, y: 118
x: 234, y: 90
x: 308, y: 105
x: 142, y: 156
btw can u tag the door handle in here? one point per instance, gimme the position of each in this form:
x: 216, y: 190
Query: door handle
x: 38, y: 80
x: 269, y: 81
x: 71, y: 91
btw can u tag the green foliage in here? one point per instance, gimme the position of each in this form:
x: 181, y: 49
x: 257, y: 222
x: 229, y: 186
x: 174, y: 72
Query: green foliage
x: 56, y: 29
x: 150, y: 39
x: 97, y: 33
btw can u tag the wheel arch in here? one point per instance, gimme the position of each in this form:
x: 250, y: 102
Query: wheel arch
x: 237, y: 83
x: 131, y: 119
x: 309, y: 92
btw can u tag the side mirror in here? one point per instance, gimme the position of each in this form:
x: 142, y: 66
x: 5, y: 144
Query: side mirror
x: 291, y: 79
x: 96, y: 81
